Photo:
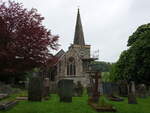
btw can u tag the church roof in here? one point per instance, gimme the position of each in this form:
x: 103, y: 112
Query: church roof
x: 60, y: 53
x: 58, y: 56
x: 79, y: 36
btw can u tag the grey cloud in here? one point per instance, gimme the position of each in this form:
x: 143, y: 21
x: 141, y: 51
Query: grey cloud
x: 107, y: 24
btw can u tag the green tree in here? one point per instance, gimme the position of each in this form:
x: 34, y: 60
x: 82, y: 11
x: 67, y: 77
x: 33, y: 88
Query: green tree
x: 134, y: 63
x: 137, y: 34
x: 103, y: 66
x: 25, y: 43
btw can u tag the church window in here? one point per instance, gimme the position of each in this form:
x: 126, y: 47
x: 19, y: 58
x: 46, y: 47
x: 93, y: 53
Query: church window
x: 60, y: 66
x: 67, y: 69
x: 71, y: 68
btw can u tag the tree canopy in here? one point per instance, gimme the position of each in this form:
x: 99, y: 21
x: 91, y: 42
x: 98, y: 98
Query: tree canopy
x: 134, y: 63
x: 103, y: 66
x: 24, y: 41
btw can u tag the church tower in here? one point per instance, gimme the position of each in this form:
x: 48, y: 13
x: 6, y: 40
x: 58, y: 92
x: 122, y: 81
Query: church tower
x: 79, y: 45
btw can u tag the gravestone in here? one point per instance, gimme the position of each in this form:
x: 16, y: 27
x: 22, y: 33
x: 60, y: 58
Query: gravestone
x: 107, y: 90
x: 110, y: 89
x: 35, y: 89
x: 3, y: 96
x: 65, y: 90
x: 148, y: 91
x: 101, y: 90
x: 123, y: 89
x: 133, y: 87
x: 7, y: 105
x: 89, y: 90
x: 7, y: 89
x: 132, y: 99
x: 74, y: 90
x: 27, y: 84
x: 53, y: 87
x: 96, y: 93
x: 78, y: 89
x: 21, y: 98
x: 131, y: 93
x: 141, y: 91
x: 46, y: 86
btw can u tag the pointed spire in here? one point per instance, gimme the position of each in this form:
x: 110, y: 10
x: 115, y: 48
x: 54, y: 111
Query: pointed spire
x: 79, y: 36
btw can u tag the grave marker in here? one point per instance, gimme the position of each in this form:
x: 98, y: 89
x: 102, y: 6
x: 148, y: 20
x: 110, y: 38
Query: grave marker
x: 131, y: 93
x: 46, y: 87
x: 78, y: 89
x: 35, y: 89
x: 65, y: 90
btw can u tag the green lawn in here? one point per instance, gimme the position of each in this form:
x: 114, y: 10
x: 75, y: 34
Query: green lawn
x: 79, y: 105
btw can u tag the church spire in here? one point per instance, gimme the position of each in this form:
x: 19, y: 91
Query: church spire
x: 79, y: 36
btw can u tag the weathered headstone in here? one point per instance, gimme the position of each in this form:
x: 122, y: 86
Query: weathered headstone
x: 53, y: 87
x: 46, y: 85
x: 7, y: 89
x: 133, y: 87
x: 27, y: 83
x: 96, y: 93
x: 107, y: 89
x: 148, y: 91
x: 101, y: 89
x: 65, y: 90
x: 21, y: 98
x: 74, y: 90
x: 78, y: 89
x: 8, y: 105
x: 35, y: 89
x: 141, y: 91
x: 123, y: 89
x: 3, y: 95
x: 131, y: 93
x: 132, y: 99
x: 89, y: 90
x: 110, y: 89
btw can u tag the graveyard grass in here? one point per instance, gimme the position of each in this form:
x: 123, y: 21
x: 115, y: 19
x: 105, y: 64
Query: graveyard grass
x: 79, y: 105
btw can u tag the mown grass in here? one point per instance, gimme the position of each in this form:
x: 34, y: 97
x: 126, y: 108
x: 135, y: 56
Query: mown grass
x: 79, y: 105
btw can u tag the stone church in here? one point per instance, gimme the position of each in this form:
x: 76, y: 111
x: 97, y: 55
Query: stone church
x: 74, y: 63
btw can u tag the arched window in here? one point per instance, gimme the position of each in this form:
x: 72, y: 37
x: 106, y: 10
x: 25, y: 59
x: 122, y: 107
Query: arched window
x: 71, y: 68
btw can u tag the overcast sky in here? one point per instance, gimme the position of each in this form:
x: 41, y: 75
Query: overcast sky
x: 107, y: 24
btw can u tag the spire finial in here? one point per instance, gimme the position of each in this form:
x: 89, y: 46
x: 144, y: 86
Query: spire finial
x: 78, y: 11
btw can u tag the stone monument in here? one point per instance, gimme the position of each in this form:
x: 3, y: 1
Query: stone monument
x: 65, y: 90
x: 35, y: 89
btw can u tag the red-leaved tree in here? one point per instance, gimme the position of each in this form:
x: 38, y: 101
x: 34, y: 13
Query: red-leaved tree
x: 24, y: 41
